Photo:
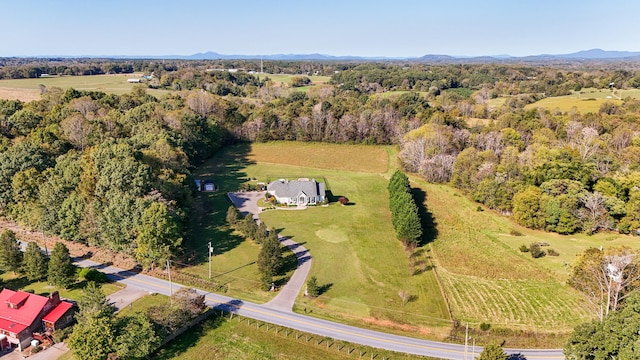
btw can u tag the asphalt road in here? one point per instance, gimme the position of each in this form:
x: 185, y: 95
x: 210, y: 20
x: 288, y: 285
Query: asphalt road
x: 312, y: 325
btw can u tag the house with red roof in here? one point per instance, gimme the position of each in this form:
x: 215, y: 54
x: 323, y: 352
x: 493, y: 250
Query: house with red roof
x: 22, y: 314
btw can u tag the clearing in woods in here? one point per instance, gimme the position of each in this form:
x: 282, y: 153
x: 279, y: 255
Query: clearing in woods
x: 29, y: 89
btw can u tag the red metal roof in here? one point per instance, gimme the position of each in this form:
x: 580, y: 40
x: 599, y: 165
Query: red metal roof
x: 12, y: 326
x: 18, y: 298
x: 25, y: 314
x: 55, y: 314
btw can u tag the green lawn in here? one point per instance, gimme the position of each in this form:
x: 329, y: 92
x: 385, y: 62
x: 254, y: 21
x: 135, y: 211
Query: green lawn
x: 356, y: 256
x: 18, y: 282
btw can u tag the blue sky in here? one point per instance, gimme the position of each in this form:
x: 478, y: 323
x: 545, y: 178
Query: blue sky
x: 399, y: 28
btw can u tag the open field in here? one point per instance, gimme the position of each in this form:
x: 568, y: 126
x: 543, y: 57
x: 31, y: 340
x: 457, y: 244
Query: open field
x: 486, y: 277
x: 29, y: 89
x: 586, y: 100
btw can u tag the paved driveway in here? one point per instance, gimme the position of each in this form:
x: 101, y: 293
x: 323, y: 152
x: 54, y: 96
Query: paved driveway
x: 247, y: 202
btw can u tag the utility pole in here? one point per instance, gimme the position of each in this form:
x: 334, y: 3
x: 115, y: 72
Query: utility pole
x: 210, y: 253
x: 170, y: 284
x: 466, y: 341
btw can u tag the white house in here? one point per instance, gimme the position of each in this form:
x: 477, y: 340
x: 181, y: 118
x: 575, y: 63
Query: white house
x: 297, y: 192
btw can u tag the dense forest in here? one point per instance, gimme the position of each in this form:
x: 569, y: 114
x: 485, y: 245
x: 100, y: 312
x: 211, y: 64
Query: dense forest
x: 114, y: 170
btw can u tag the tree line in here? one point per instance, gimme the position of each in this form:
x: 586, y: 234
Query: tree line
x: 404, y: 211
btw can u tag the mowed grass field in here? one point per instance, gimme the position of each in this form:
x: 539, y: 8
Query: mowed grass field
x: 29, y: 89
x: 487, y: 278
x: 586, y: 100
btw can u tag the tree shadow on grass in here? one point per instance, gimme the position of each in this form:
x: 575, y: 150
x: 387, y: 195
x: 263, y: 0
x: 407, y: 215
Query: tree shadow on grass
x: 208, y: 211
x: 428, y: 222
x: 189, y: 339
x: 17, y: 283
x: 289, y: 262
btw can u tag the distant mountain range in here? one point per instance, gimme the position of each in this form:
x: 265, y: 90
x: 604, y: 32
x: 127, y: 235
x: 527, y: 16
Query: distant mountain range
x: 593, y: 54
x: 586, y: 55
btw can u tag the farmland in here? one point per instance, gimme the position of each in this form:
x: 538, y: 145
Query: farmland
x: 29, y: 89
x: 483, y: 274
x: 586, y: 100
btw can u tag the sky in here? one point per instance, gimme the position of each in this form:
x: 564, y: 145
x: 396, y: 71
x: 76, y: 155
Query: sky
x: 398, y: 28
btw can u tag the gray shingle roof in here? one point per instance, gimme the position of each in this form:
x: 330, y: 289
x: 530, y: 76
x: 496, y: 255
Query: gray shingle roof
x: 289, y: 189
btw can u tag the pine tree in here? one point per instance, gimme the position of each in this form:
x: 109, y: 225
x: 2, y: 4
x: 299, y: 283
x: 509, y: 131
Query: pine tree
x: 270, y: 257
x: 61, y: 271
x: 232, y: 215
x: 34, y: 264
x: 10, y: 254
x: 313, y: 289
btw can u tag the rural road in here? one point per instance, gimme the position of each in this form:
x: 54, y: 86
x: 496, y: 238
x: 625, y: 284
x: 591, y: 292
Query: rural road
x: 311, y: 325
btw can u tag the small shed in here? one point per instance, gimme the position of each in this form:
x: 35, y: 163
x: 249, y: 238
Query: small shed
x: 209, y: 185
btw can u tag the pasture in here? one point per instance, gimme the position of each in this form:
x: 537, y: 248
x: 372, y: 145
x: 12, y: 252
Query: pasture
x: 29, y: 89
x: 487, y: 278
x: 586, y: 100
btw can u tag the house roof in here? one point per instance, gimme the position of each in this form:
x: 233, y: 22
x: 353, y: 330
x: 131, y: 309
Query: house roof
x: 283, y: 188
x: 12, y: 326
x: 57, y: 312
x: 25, y: 314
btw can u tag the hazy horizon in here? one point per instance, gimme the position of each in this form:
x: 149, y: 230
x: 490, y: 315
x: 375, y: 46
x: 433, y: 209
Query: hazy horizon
x: 399, y: 29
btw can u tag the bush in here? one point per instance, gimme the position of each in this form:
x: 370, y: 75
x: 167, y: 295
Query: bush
x: 524, y: 248
x: 62, y: 334
x: 485, y: 326
x: 90, y: 274
x: 553, y: 252
x: 536, y: 251
x: 479, y: 209
x: 515, y: 232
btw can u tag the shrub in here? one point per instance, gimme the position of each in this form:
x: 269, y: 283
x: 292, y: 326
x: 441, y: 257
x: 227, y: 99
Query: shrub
x: 90, y: 274
x: 536, y: 251
x: 313, y: 290
x: 479, y: 209
x: 515, y: 232
x: 485, y: 326
x: 524, y: 248
x: 553, y: 252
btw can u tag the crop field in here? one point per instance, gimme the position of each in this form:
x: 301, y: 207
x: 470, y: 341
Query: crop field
x: 29, y: 89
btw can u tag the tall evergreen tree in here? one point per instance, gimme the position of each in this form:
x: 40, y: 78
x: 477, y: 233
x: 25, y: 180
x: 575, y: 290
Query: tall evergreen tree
x: 10, y: 254
x: 61, y: 271
x: 34, y: 264
x: 270, y: 257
